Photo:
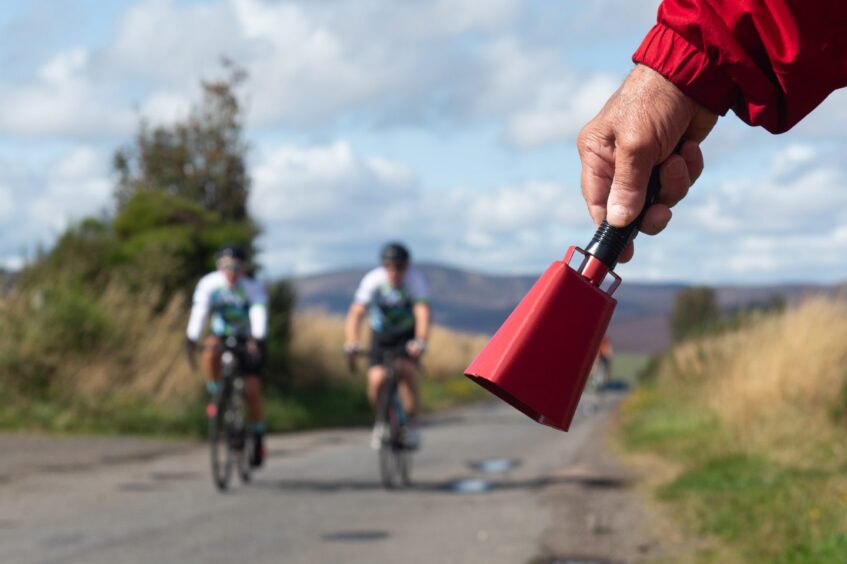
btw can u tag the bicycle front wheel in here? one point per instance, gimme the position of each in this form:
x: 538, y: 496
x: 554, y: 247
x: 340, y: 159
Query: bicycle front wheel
x: 219, y: 440
x: 395, y: 463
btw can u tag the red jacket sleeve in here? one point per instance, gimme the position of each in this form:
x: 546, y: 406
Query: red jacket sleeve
x: 770, y: 61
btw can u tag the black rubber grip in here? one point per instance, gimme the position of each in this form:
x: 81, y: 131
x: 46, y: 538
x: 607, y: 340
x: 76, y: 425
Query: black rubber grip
x: 609, y: 242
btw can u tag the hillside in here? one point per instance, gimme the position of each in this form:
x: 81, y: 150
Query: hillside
x: 468, y: 301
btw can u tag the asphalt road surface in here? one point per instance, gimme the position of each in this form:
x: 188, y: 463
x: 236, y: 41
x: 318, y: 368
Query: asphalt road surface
x: 490, y: 486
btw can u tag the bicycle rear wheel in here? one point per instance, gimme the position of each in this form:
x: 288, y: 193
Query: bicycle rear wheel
x: 219, y: 439
x: 242, y: 446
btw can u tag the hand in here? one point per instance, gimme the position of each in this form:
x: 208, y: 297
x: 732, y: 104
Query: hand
x: 637, y: 129
x: 350, y: 351
x: 253, y: 349
x: 416, y: 347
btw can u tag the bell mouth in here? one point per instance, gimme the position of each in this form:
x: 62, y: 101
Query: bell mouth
x: 515, y: 402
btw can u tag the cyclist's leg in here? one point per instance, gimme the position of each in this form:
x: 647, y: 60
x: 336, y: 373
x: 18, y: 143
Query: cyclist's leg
x: 253, y: 396
x: 409, y: 387
x: 376, y: 376
x: 409, y: 392
x: 211, y: 360
x: 253, y: 366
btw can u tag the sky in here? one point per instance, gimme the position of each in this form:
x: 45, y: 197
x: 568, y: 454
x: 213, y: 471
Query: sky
x: 447, y: 124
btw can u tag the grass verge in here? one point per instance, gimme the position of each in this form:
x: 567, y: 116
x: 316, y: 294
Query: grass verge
x: 753, y: 504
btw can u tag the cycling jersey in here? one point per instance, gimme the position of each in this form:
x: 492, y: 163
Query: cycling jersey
x: 391, y: 309
x: 239, y: 310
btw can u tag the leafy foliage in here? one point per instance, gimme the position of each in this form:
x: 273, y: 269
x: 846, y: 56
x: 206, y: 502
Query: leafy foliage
x: 200, y: 159
x: 97, y: 322
x: 695, y: 312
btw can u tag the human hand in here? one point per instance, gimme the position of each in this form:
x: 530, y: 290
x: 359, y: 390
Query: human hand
x: 253, y: 348
x: 638, y: 128
x: 350, y: 351
x: 416, y: 347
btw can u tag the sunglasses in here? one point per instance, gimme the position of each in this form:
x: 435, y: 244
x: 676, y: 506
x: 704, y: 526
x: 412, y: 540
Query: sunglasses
x: 401, y: 267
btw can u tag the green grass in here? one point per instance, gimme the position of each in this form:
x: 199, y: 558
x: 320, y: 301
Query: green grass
x: 628, y: 367
x: 670, y: 426
x: 449, y: 392
x: 752, y: 505
x: 335, y: 404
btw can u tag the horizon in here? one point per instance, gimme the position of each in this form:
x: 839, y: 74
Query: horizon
x: 450, y: 125
x: 532, y: 275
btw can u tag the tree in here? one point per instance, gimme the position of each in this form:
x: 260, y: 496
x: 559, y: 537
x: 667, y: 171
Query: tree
x: 201, y: 159
x: 182, y: 189
x: 695, y: 312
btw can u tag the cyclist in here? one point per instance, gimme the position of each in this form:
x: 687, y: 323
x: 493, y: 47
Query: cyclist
x: 604, y: 363
x: 238, y: 307
x: 396, y: 298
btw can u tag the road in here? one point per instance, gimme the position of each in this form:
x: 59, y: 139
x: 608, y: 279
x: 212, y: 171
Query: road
x: 546, y: 497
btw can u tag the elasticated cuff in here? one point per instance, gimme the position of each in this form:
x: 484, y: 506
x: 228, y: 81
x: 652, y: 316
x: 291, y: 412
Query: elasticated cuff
x: 688, y: 68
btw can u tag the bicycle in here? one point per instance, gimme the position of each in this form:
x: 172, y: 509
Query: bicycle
x: 230, y: 441
x: 395, y: 458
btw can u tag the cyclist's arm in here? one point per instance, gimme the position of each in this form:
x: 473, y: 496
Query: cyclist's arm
x: 353, y: 325
x: 199, y: 311
x: 258, y: 312
x: 423, y: 318
x: 421, y: 310
x: 359, y: 308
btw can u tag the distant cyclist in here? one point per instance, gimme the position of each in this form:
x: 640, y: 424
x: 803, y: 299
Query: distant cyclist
x: 603, y: 366
x: 238, y: 308
x: 396, y: 298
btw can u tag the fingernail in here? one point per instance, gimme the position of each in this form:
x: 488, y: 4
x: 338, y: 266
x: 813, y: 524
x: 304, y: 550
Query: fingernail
x: 617, y: 214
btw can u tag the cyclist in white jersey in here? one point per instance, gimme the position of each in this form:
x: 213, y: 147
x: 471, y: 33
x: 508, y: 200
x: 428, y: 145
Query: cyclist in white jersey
x: 396, y: 299
x: 238, y: 308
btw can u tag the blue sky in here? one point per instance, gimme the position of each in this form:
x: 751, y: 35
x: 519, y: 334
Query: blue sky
x: 449, y: 124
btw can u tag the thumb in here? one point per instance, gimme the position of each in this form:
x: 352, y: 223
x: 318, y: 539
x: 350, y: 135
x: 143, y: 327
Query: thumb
x: 629, y: 186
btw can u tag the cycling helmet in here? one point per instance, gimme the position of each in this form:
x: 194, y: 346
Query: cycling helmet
x: 232, y: 251
x: 394, y: 252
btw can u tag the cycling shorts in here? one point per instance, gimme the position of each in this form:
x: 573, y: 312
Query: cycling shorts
x: 383, y: 342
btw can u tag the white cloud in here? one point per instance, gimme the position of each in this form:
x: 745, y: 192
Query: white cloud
x: 61, y: 101
x: 328, y: 205
x: 75, y: 185
x: 7, y: 202
x: 559, y: 110
x: 801, y: 191
x: 313, y: 64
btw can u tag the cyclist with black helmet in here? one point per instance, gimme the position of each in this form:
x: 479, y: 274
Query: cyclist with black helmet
x: 237, y: 305
x: 395, y: 297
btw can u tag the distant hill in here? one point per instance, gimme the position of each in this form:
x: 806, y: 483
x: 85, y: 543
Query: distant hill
x: 468, y: 301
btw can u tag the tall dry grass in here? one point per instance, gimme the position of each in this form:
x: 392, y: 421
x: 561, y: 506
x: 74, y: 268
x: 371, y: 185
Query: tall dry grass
x: 318, y: 341
x: 147, y: 363
x: 132, y: 353
x: 72, y: 359
x: 776, y: 382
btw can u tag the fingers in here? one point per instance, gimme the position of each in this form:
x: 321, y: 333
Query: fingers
x: 596, y: 152
x: 627, y: 253
x: 656, y: 219
x: 679, y: 172
x: 693, y: 159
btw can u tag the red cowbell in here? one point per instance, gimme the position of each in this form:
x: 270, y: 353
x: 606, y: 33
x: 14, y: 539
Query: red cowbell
x: 539, y: 359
